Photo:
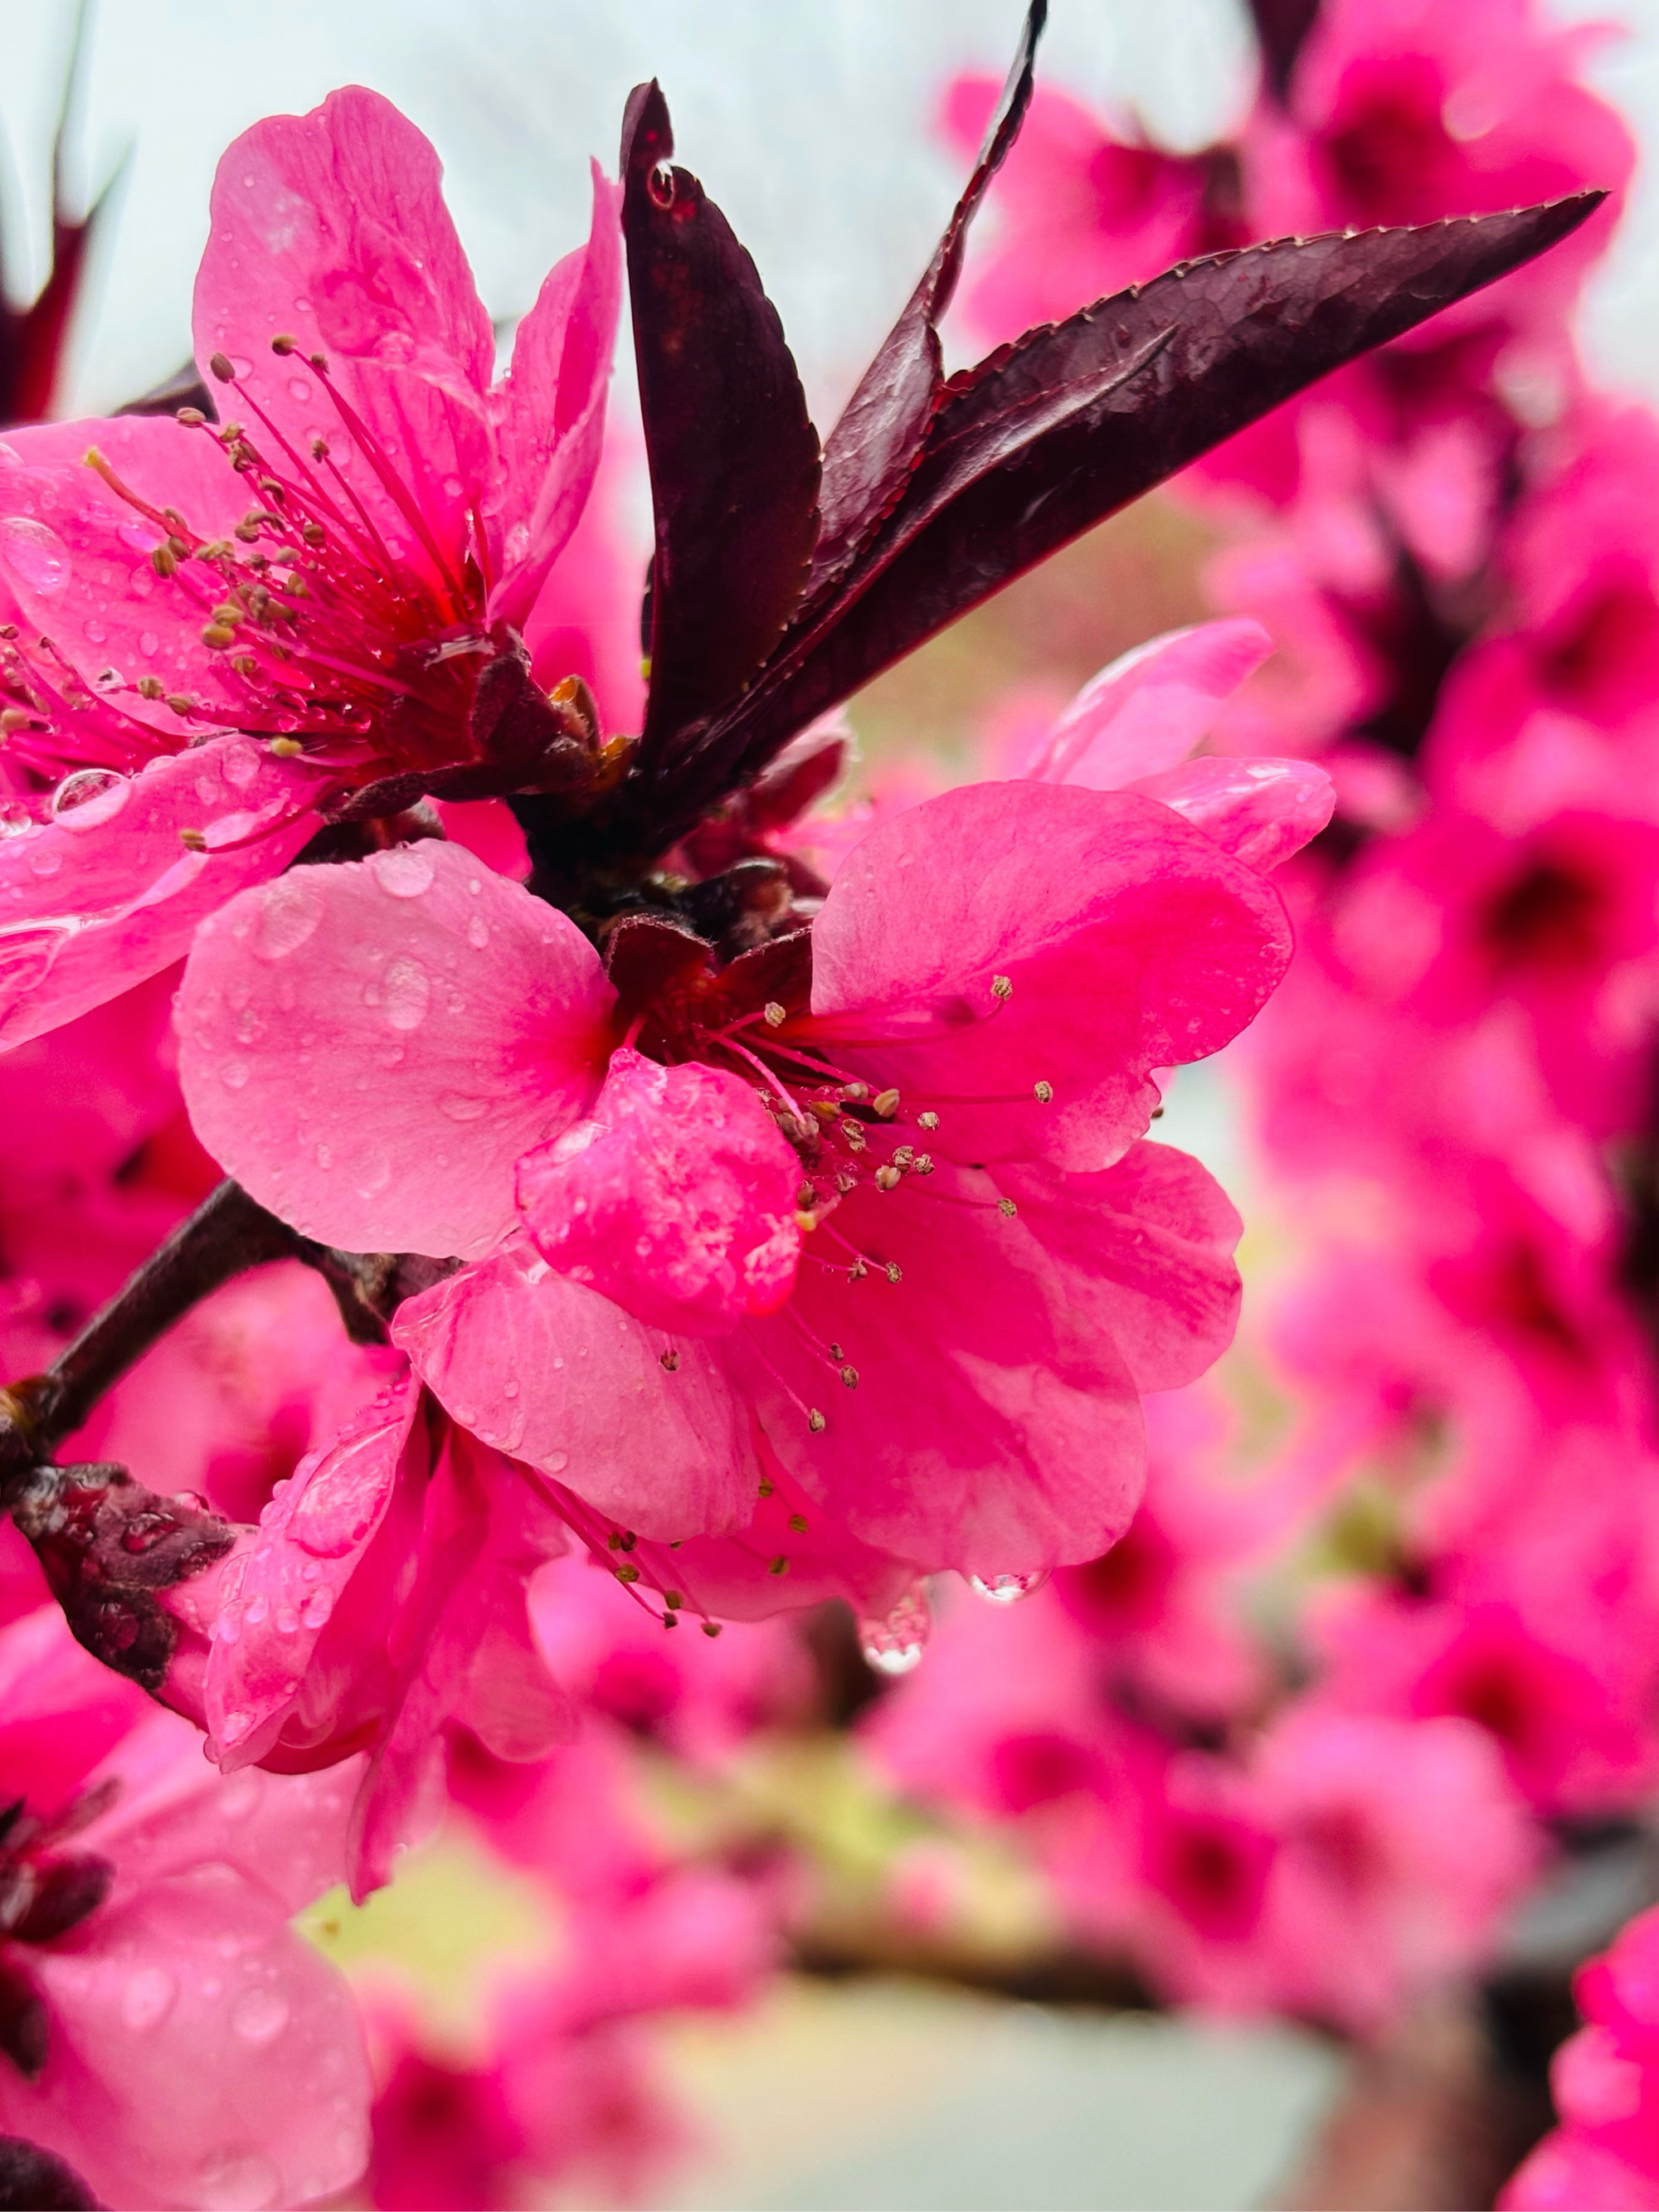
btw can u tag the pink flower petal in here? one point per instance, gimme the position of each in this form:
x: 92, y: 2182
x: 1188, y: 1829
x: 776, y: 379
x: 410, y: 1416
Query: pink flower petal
x: 303, y: 1560
x: 1145, y: 1248
x: 970, y: 1415
x: 108, y: 893
x: 1149, y: 709
x: 550, y: 408
x: 561, y: 1378
x: 76, y: 557
x: 201, y: 2053
x: 1262, y: 812
x: 370, y: 1048
x: 676, y: 1197
x: 1129, y: 941
x: 338, y: 217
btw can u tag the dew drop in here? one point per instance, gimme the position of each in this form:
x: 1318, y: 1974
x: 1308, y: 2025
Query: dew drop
x: 148, y: 643
x: 895, y: 1645
x: 373, y: 1174
x: 15, y: 818
x: 234, y: 1074
x: 290, y: 908
x: 317, y: 1607
x: 36, y: 552
x: 259, y: 2015
x: 402, y: 871
x: 238, y: 2181
x: 147, y: 1998
x: 478, y: 932
x: 88, y: 797
x: 299, y: 388
x: 460, y: 1106
x: 46, y: 860
x: 555, y: 1462
x: 258, y: 1608
x: 95, y: 631
x: 239, y: 765
x: 1007, y: 1589
x: 408, y: 992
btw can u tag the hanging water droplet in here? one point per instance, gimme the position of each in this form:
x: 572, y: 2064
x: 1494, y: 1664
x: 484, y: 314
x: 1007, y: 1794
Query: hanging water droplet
x: 101, y: 789
x: 478, y: 932
x: 895, y: 1645
x: 1007, y: 1589
x: 238, y: 2181
x: 317, y: 1609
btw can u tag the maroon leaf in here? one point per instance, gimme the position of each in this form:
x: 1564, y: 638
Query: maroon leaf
x: 1281, y: 25
x: 1047, y: 437
x: 876, y: 444
x: 733, y: 455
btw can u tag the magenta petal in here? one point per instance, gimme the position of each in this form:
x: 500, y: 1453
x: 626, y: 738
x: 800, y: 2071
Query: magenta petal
x: 969, y: 1413
x: 370, y: 1048
x: 309, y: 1547
x: 561, y: 1378
x: 1126, y: 938
x: 1262, y: 812
x: 108, y: 893
x: 331, y: 229
x: 1145, y: 1248
x: 550, y: 408
x: 1149, y: 709
x: 676, y: 1197
x: 76, y: 556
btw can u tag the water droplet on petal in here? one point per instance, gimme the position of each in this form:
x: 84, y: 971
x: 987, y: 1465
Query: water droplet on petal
x: 317, y: 1607
x: 238, y: 2181
x: 239, y: 765
x: 478, y: 932
x: 88, y: 797
x: 299, y: 388
x: 1007, y: 1589
x: 458, y: 1106
x: 147, y: 1998
x: 408, y: 992
x: 402, y: 871
x: 235, y: 1075
x: 259, y: 2015
x: 35, y: 553
x: 555, y: 1462
x: 290, y: 908
x: 46, y: 860
x: 895, y: 1645
x: 148, y: 643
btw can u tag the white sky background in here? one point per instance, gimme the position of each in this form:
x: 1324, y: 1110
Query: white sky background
x: 807, y: 119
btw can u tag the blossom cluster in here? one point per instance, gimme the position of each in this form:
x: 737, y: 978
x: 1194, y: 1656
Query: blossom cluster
x: 503, y: 1205
x: 1364, y: 1672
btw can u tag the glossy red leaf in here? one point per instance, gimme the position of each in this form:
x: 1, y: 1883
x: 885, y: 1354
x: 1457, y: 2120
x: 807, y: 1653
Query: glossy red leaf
x: 732, y: 452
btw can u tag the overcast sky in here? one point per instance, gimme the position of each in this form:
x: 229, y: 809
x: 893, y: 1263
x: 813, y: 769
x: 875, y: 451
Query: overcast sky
x: 808, y: 119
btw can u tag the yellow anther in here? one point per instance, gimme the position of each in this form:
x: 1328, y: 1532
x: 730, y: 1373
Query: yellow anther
x: 1044, y: 1093
x: 1007, y: 1207
x: 219, y: 636
x: 767, y: 1487
x: 849, y: 1375
x: 150, y: 687
x: 775, y: 1015
x: 922, y: 1165
x: 191, y: 417
x: 627, y: 1574
x: 888, y: 1178
x: 798, y: 1522
x: 893, y: 1272
x: 287, y: 747
x: 1001, y: 987
x: 827, y: 1110
x: 181, y: 702
x: 886, y: 1104
x: 815, y: 1421
x: 778, y: 1566
x: 902, y: 1155
x: 711, y: 1628
x: 245, y: 664
x: 928, y: 1122
x: 314, y: 534
x: 672, y: 1599
x: 193, y: 840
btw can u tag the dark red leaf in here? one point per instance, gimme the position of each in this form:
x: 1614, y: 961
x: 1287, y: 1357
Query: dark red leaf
x: 1281, y: 25
x: 871, y: 451
x: 732, y: 452
x: 1047, y: 437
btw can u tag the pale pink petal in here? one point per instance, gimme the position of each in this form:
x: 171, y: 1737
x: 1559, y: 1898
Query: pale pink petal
x: 330, y: 227
x: 1126, y: 938
x: 1145, y: 1247
x: 304, y: 1559
x: 76, y: 557
x: 550, y: 409
x: 201, y: 2053
x: 60, y: 1711
x: 676, y: 1197
x: 968, y: 1414
x: 644, y: 1426
x: 370, y: 1048
x: 1149, y: 709
x: 1262, y: 812
x: 107, y: 892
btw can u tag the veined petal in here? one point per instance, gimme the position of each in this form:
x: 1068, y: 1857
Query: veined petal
x: 1262, y: 812
x: 370, y: 1049
x: 1125, y: 939
x: 334, y: 223
x: 108, y: 892
x: 1147, y: 711
x: 559, y: 1378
